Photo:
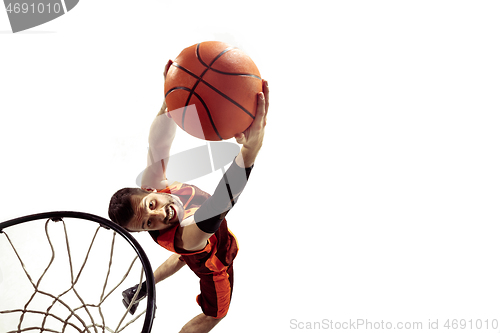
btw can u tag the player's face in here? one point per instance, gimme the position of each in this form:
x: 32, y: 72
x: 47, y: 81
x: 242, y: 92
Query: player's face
x: 155, y: 211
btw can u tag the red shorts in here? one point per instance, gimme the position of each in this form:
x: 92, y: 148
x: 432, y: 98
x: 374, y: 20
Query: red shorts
x: 216, y: 291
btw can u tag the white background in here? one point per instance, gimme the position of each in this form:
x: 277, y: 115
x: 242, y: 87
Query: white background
x: 376, y: 193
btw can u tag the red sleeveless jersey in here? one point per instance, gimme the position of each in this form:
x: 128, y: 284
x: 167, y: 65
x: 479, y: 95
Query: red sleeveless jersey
x: 221, y: 247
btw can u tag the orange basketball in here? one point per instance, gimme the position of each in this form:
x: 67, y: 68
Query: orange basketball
x: 211, y: 90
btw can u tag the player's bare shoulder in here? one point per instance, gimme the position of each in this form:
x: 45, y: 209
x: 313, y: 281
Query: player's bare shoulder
x: 190, y: 238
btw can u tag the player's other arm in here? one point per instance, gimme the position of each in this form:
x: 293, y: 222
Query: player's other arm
x: 207, y: 219
x: 169, y: 267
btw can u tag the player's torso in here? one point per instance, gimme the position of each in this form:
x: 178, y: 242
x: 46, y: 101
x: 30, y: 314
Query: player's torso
x: 222, y: 246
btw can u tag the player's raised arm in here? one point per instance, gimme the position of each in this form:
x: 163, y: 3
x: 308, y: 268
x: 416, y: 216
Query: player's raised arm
x: 161, y: 136
x: 209, y: 216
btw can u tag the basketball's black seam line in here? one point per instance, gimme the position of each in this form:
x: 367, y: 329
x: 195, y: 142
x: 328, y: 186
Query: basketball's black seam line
x: 185, y: 106
x: 212, y: 87
x: 208, y: 113
x: 190, y: 95
x: 215, y: 89
x: 185, y: 70
x: 198, y: 55
x: 200, y: 78
x: 176, y: 88
x: 220, y: 55
x: 202, y: 102
x: 190, y: 91
x: 236, y: 74
x: 229, y: 99
x: 215, y: 70
x: 197, y: 52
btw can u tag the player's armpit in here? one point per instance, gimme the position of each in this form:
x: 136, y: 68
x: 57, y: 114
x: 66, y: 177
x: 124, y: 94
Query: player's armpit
x: 191, y: 238
x: 153, y: 177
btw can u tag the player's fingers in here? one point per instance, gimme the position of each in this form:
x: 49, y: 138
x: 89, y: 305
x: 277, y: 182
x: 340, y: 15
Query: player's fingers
x: 240, y: 138
x: 261, y: 110
x: 167, y: 66
x: 265, y: 90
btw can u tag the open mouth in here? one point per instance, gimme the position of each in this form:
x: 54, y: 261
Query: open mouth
x: 171, y: 213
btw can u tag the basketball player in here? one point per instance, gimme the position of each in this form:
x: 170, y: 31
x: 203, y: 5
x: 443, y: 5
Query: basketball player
x: 187, y: 221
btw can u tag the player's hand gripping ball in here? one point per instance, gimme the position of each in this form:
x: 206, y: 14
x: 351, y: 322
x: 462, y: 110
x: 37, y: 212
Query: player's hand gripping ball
x: 211, y: 90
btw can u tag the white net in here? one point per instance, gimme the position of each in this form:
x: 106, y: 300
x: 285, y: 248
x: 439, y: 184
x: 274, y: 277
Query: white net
x: 67, y: 276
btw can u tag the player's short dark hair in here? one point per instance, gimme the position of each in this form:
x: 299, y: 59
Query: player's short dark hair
x: 120, y: 208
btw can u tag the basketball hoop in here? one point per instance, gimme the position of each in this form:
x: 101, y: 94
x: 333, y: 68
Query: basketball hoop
x: 51, y: 280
